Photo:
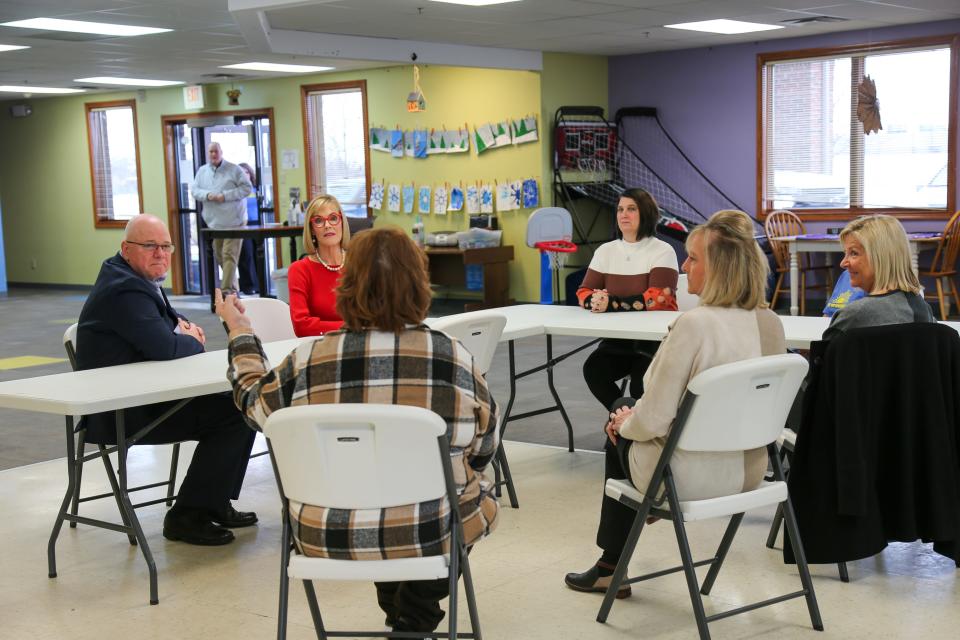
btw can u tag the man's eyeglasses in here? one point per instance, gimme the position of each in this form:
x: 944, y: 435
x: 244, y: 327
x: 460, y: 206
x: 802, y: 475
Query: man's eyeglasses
x: 153, y: 246
x: 333, y: 220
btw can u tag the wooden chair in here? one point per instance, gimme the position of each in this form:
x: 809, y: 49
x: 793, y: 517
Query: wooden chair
x: 787, y: 223
x: 944, y: 264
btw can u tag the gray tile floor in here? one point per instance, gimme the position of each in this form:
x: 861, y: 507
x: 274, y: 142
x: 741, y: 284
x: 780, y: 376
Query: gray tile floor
x: 33, y: 322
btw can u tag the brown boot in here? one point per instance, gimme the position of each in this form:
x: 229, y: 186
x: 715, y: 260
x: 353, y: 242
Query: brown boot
x: 590, y: 581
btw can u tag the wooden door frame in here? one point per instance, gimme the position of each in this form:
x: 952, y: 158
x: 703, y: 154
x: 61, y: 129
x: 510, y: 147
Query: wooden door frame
x: 170, y: 174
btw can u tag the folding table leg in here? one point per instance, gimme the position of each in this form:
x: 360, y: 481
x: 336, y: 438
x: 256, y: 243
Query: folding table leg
x: 115, y: 487
x: 174, y: 460
x: 128, y: 508
x: 556, y: 396
x: 67, y: 497
x: 81, y: 451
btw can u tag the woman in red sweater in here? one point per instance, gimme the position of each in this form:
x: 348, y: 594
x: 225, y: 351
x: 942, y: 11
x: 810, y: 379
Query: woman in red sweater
x: 313, y: 279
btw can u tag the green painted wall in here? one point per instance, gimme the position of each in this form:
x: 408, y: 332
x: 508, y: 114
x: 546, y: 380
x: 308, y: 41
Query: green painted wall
x: 45, y: 172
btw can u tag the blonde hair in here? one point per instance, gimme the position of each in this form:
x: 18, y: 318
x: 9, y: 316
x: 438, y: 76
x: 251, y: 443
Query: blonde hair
x: 315, y: 206
x: 885, y: 242
x: 737, y: 270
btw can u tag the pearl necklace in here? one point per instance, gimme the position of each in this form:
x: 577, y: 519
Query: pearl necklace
x: 327, y: 266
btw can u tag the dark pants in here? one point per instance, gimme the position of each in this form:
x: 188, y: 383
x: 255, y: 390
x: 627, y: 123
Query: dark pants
x: 223, y: 440
x: 413, y: 605
x: 249, y: 283
x: 614, y: 360
x: 615, y: 518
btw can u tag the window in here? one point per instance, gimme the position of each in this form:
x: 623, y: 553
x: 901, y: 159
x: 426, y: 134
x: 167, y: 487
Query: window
x: 114, y: 162
x: 814, y: 156
x: 335, y: 128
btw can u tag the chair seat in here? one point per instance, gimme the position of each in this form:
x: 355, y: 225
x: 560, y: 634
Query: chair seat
x: 428, y: 568
x: 787, y: 437
x: 766, y: 494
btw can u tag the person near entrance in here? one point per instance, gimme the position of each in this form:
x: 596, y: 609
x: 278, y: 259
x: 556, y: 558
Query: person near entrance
x: 222, y: 187
x: 249, y: 283
x: 128, y: 318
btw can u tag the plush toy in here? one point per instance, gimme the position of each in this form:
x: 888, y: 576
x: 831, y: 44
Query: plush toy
x: 657, y: 299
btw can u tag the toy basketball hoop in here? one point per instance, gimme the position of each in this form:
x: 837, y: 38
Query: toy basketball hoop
x: 550, y: 230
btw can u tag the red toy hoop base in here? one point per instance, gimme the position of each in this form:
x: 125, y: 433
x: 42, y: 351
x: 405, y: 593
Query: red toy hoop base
x: 556, y: 246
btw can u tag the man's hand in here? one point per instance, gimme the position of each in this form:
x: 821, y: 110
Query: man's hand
x: 216, y: 197
x: 617, y: 418
x: 230, y: 310
x: 599, y: 301
x: 191, y: 329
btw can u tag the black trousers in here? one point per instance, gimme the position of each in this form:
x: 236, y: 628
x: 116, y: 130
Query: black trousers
x: 223, y: 440
x: 413, y: 605
x: 615, y: 518
x: 246, y: 265
x: 614, y: 360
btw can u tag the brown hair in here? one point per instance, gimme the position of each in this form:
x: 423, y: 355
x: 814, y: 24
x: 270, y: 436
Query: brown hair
x: 318, y: 203
x: 386, y: 285
x: 649, y: 211
x: 737, y: 270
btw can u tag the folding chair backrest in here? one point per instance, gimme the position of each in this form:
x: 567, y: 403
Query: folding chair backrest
x: 70, y: 344
x: 782, y: 223
x: 357, y: 456
x: 479, y: 331
x: 685, y: 299
x: 742, y: 405
x: 270, y: 318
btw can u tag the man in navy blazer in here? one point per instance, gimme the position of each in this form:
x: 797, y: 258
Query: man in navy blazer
x: 127, y: 318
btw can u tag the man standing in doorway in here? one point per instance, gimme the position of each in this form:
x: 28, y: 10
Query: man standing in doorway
x: 222, y: 187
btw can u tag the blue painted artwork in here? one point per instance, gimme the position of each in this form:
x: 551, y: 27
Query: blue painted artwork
x: 516, y: 193
x: 424, y: 200
x: 420, y: 138
x: 408, y: 198
x: 396, y: 143
x: 486, y: 199
x: 531, y: 194
x: 456, y: 199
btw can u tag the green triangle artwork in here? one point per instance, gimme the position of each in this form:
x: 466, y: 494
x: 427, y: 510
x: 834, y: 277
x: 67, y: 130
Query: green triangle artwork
x: 502, y: 132
x: 436, y: 143
x: 524, y: 129
x: 379, y: 139
x: 484, y: 138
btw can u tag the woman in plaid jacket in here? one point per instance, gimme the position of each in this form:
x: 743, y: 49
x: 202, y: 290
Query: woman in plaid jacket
x: 384, y: 354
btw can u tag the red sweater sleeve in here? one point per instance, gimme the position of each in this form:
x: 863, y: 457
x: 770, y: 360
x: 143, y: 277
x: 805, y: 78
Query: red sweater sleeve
x: 312, y: 298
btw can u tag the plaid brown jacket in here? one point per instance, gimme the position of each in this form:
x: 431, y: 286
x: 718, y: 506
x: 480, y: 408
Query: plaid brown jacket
x: 417, y: 367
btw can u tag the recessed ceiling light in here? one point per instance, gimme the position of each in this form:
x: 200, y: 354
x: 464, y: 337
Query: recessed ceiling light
x: 18, y: 89
x: 80, y: 26
x: 476, y: 3
x: 274, y: 66
x: 11, y: 47
x: 130, y: 82
x: 728, y: 27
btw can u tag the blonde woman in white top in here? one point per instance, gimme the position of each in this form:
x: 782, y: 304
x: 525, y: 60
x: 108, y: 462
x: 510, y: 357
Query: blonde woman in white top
x: 727, y: 269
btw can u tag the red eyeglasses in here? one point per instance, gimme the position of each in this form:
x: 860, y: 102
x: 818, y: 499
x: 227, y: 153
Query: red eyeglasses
x: 333, y: 220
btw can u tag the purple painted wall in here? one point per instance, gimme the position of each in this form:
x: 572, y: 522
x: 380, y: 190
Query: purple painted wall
x: 707, y: 98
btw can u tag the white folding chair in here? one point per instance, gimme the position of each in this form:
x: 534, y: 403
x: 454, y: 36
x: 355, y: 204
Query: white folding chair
x: 270, y: 318
x: 685, y: 299
x: 366, y: 456
x: 733, y: 407
x: 480, y: 332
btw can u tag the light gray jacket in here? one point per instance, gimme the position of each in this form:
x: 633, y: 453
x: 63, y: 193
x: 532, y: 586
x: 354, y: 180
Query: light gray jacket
x: 233, y: 183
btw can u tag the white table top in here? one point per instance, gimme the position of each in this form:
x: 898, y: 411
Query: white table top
x: 111, y: 388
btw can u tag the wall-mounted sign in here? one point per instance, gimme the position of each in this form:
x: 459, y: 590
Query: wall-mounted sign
x: 193, y: 97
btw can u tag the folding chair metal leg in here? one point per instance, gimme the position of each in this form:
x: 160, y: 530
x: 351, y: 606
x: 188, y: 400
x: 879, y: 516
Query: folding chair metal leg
x: 128, y: 508
x: 78, y: 467
x: 790, y: 522
x: 556, y: 396
x: 842, y: 568
x: 314, y: 610
x: 174, y: 460
x: 688, y: 568
x: 115, y: 487
x: 454, y: 579
x: 471, y: 597
x: 503, y: 467
x: 775, y: 527
x: 67, y: 496
x: 721, y: 554
x: 284, y: 579
x: 620, y: 573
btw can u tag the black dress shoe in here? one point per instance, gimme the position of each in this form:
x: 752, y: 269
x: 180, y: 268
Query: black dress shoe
x: 591, y: 582
x: 194, y: 526
x: 230, y: 517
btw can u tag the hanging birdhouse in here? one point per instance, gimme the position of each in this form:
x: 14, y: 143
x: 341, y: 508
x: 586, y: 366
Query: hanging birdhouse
x: 416, y: 101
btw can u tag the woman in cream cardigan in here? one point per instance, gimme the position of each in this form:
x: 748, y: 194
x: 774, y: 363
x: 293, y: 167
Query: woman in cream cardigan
x: 727, y: 269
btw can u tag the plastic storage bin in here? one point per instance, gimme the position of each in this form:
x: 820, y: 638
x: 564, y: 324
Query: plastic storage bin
x: 477, y: 238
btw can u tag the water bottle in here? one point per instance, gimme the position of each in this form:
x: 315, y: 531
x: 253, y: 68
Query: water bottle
x: 418, y: 236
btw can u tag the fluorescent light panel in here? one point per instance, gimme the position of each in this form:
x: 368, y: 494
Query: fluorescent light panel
x: 11, y: 47
x: 24, y: 89
x: 80, y: 26
x: 476, y: 3
x: 274, y: 66
x: 129, y: 82
x: 727, y: 27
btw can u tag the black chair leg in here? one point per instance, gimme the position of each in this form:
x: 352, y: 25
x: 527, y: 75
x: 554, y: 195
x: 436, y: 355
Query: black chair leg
x: 721, y: 554
x: 471, y: 597
x: 620, y: 573
x: 174, y: 460
x: 844, y: 576
x: 790, y: 522
x: 775, y: 527
x: 504, y: 467
x: 115, y: 486
x: 81, y: 450
x: 688, y: 567
x: 284, y: 580
x: 314, y: 610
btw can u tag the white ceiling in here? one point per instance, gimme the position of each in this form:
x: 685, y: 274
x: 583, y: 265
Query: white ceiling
x: 210, y: 33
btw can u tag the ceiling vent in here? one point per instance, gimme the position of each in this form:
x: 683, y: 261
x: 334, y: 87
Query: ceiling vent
x: 812, y: 19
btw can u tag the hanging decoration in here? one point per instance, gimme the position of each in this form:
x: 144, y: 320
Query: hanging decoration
x: 868, y: 107
x: 416, y: 101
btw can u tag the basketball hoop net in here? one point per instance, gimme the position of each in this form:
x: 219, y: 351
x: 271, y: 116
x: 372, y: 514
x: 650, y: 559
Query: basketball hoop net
x: 557, y: 251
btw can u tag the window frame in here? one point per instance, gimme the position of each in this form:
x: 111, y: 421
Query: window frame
x: 99, y: 223
x: 765, y: 205
x: 305, y: 91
